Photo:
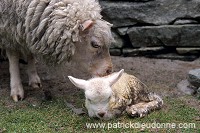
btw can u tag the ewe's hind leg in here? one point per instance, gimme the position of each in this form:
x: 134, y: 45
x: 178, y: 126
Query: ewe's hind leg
x: 17, y: 91
x: 34, y: 79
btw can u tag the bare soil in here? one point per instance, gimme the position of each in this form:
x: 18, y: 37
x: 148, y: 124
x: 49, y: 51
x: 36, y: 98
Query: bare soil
x: 161, y: 75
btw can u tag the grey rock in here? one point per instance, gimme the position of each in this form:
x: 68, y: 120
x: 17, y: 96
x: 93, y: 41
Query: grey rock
x: 181, y: 22
x: 194, y: 77
x: 188, y: 50
x: 129, y: 0
x: 118, y: 41
x: 142, y: 51
x: 115, y: 52
x: 183, y: 86
x: 173, y: 56
x: 198, y: 91
x: 156, y: 12
x: 168, y: 35
x: 122, y: 31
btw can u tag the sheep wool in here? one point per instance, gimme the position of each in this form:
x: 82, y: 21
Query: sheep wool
x: 131, y: 95
x: 45, y: 27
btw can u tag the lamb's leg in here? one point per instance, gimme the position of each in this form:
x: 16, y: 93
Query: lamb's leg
x: 17, y: 91
x: 140, y: 109
x: 34, y: 79
x: 143, y: 108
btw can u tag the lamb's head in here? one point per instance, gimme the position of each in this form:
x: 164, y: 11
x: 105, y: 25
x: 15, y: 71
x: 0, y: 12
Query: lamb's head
x: 98, y: 93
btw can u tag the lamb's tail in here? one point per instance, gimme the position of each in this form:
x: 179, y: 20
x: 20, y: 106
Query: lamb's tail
x: 143, y: 108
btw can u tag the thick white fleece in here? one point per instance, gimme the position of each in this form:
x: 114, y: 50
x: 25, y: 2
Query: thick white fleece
x: 45, y: 27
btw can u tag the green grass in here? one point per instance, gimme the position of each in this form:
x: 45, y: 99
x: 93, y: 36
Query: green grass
x: 54, y: 116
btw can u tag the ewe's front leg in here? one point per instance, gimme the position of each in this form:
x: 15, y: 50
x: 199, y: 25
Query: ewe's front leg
x: 17, y: 91
x: 34, y: 79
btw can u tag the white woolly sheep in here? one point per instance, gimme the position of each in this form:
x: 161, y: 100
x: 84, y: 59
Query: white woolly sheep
x: 112, y: 95
x: 56, y: 30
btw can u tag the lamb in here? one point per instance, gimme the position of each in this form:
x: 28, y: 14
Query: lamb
x: 110, y: 96
x: 58, y: 31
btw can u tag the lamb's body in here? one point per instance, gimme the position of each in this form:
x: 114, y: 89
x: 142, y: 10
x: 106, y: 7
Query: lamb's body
x: 56, y: 30
x: 132, y: 95
x: 112, y: 95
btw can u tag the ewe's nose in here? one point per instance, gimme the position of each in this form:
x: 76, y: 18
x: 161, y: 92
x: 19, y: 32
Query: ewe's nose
x: 109, y: 70
x: 101, y: 114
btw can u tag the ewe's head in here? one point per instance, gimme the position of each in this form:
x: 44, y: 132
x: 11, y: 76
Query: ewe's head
x: 92, y: 49
x: 98, y: 93
x: 77, y: 32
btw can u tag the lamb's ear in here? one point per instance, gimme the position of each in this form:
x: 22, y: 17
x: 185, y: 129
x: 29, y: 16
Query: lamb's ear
x: 86, y: 25
x: 80, y: 83
x: 114, y: 77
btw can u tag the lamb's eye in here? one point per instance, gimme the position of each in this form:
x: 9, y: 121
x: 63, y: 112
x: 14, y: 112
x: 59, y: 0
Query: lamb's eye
x: 108, y: 99
x: 95, y: 45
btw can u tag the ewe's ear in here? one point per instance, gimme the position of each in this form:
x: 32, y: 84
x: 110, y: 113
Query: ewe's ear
x: 80, y: 83
x: 86, y: 25
x: 109, y: 24
x: 113, y: 78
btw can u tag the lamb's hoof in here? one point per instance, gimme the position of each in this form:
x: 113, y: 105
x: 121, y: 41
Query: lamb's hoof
x: 132, y: 113
x: 135, y: 111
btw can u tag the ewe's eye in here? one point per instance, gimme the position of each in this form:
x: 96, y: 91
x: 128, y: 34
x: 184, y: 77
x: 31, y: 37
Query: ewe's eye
x: 89, y: 100
x: 109, y: 97
x: 95, y: 45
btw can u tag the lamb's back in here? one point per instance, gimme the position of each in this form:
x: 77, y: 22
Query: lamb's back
x: 130, y: 87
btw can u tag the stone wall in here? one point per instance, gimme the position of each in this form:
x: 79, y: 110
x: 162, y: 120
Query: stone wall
x: 154, y: 28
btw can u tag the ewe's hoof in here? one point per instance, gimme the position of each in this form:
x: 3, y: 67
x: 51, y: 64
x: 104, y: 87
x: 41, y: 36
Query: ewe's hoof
x: 17, y: 93
x: 35, y: 82
x: 16, y: 98
x: 35, y: 85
